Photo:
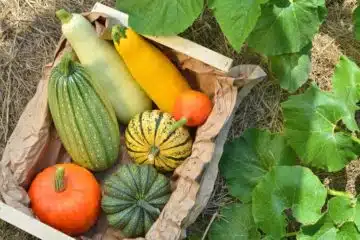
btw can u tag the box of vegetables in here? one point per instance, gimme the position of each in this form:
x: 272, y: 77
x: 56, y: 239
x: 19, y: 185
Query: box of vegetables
x: 123, y: 136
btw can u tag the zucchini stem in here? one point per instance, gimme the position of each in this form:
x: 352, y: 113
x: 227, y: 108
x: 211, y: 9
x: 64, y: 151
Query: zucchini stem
x: 59, y: 179
x: 118, y: 32
x: 64, y: 16
x: 66, y: 64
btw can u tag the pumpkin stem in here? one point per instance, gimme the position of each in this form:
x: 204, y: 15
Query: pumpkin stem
x: 59, y: 179
x: 148, y: 207
x: 63, y: 15
x: 118, y: 32
x: 178, y: 124
x: 154, y: 151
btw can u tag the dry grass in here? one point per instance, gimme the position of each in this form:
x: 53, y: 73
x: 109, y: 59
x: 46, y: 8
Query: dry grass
x: 29, y: 32
x: 335, y: 38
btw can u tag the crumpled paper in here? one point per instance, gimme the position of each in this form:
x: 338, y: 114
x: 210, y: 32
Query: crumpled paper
x: 34, y: 144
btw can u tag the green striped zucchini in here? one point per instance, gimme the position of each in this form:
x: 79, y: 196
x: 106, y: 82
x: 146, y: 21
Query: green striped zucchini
x: 133, y: 198
x: 150, y: 139
x: 83, y: 116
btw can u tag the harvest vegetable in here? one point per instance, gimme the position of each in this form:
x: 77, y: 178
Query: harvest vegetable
x: 66, y: 197
x: 83, y: 116
x: 192, y: 108
x: 264, y: 27
x: 105, y: 65
x: 156, y: 74
x: 133, y: 198
x: 150, y: 139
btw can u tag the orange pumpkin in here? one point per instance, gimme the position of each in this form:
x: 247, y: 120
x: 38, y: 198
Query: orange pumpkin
x: 66, y: 197
x: 192, y: 108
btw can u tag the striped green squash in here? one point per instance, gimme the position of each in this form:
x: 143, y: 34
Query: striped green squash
x: 133, y: 198
x: 151, y: 138
x: 83, y: 117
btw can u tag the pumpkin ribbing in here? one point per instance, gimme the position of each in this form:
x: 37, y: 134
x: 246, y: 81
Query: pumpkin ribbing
x: 151, y: 139
x: 83, y: 116
x: 133, y: 198
x: 74, y: 209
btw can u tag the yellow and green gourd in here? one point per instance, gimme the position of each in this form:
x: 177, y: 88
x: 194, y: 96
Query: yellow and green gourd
x: 153, y: 137
x: 133, y: 198
x: 83, y: 116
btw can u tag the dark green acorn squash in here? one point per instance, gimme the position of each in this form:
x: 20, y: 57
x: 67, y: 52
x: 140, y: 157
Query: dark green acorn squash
x: 133, y: 198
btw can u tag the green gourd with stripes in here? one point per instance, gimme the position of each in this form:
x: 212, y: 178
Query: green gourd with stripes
x: 83, y: 116
x: 152, y: 139
x: 133, y: 198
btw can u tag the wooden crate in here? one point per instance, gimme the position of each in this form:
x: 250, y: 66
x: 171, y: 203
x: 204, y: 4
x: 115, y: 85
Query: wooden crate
x: 194, y: 50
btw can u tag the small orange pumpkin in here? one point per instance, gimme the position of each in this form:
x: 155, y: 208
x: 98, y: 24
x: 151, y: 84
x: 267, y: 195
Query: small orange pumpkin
x: 66, y: 197
x: 192, y: 108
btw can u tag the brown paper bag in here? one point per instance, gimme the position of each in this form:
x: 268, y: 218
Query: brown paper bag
x: 34, y: 144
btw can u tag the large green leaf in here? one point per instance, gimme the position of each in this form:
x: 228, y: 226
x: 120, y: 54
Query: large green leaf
x: 336, y: 224
x: 292, y: 70
x: 287, y: 187
x: 248, y: 158
x: 341, y: 210
x: 324, y: 229
x: 161, y: 17
x: 348, y: 231
x: 346, y: 87
x: 237, y: 223
x: 310, y: 123
x: 236, y: 18
x: 286, y: 26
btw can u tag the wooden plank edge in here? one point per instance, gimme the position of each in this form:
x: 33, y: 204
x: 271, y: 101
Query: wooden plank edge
x: 177, y: 43
x: 30, y: 224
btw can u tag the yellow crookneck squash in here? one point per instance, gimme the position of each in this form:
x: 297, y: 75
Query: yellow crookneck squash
x: 152, y: 137
x: 155, y: 73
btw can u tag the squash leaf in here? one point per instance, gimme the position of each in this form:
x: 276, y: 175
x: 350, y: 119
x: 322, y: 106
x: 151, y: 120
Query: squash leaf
x: 348, y: 231
x: 310, y: 123
x: 247, y: 159
x: 323, y: 229
x: 346, y: 85
x: 340, y: 210
x: 236, y: 223
x: 339, y: 223
x: 283, y: 188
x: 161, y: 17
x: 292, y: 70
x: 287, y: 26
x: 236, y: 18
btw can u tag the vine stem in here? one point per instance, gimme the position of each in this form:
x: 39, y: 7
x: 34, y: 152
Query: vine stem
x: 208, y: 226
x: 355, y: 139
x: 340, y: 193
x: 291, y: 234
